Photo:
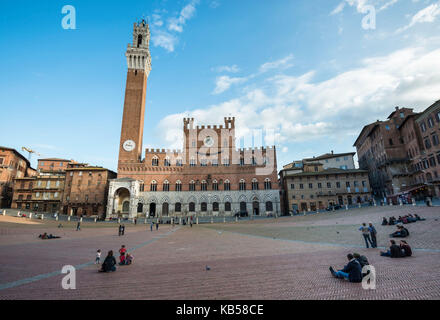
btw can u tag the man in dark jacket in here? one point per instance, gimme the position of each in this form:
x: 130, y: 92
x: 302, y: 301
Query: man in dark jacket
x: 373, y: 233
x: 394, y: 252
x: 352, y: 271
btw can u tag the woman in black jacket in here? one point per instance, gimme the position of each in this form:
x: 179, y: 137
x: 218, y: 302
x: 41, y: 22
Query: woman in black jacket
x: 109, y: 263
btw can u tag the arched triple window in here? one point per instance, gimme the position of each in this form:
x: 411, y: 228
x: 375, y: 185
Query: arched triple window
x: 227, y: 185
x: 178, y: 186
x: 267, y: 184
x: 203, y: 162
x: 204, y: 186
x: 167, y: 162
x: 242, y: 185
x: 179, y: 162
x: 153, y: 186
x: 166, y: 186
x: 254, y: 184
x: 155, y: 161
x: 192, y: 186
x: 192, y: 162
x: 215, y: 185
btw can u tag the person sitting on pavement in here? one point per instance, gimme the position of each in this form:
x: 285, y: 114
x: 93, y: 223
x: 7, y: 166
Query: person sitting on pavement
x: 393, y: 252
x: 109, y: 263
x: 392, y: 221
x: 363, y: 261
x: 384, y: 221
x: 129, y: 259
x: 352, y: 271
x: 405, y: 249
x: 122, y: 259
x: 418, y: 218
x: 400, y: 233
x: 43, y: 236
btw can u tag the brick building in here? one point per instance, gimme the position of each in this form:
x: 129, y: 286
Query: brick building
x: 426, y: 163
x: 86, y: 189
x: 382, y: 152
x: 309, y: 186
x: 53, y: 165
x: 12, y: 165
x: 208, y: 176
x: 42, y: 193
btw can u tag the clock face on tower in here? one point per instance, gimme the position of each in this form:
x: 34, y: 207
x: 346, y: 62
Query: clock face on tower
x: 209, y: 142
x: 129, y: 145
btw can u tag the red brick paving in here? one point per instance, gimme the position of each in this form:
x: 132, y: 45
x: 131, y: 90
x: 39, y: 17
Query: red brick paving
x: 242, y: 266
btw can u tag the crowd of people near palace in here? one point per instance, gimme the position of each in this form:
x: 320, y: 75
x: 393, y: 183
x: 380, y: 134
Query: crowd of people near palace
x: 109, y: 264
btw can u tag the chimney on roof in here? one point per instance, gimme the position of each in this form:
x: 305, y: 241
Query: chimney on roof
x: 332, y: 152
x: 397, y: 108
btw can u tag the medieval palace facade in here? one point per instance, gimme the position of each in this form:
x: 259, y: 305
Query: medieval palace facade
x: 209, y: 176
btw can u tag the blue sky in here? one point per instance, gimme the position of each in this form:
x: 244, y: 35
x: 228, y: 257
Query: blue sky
x: 305, y: 68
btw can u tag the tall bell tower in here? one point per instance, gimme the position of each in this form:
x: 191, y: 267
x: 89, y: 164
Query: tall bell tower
x: 139, y: 67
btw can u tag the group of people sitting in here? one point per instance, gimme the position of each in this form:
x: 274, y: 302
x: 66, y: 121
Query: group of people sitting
x: 125, y: 258
x: 45, y: 236
x: 395, y: 251
x: 405, y: 219
x: 353, y: 270
x: 109, y: 264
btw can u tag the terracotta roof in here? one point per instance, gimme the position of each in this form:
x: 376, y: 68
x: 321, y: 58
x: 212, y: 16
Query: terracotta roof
x: 17, y: 153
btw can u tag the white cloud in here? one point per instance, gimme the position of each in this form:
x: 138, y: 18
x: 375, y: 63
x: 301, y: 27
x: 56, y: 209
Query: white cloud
x: 166, y: 36
x: 428, y: 14
x: 387, y: 5
x: 303, y: 110
x: 232, y: 69
x: 223, y: 83
x: 176, y: 24
x: 282, y: 63
x: 164, y: 39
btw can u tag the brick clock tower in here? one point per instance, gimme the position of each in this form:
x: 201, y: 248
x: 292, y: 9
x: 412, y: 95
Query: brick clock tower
x: 139, y: 67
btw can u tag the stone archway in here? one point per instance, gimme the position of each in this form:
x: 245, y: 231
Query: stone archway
x: 122, y: 201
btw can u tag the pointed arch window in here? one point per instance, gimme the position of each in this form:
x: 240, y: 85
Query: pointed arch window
x: 166, y: 186
x: 267, y: 184
x: 254, y: 184
x: 192, y: 186
x: 178, y: 186
x: 153, y: 186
